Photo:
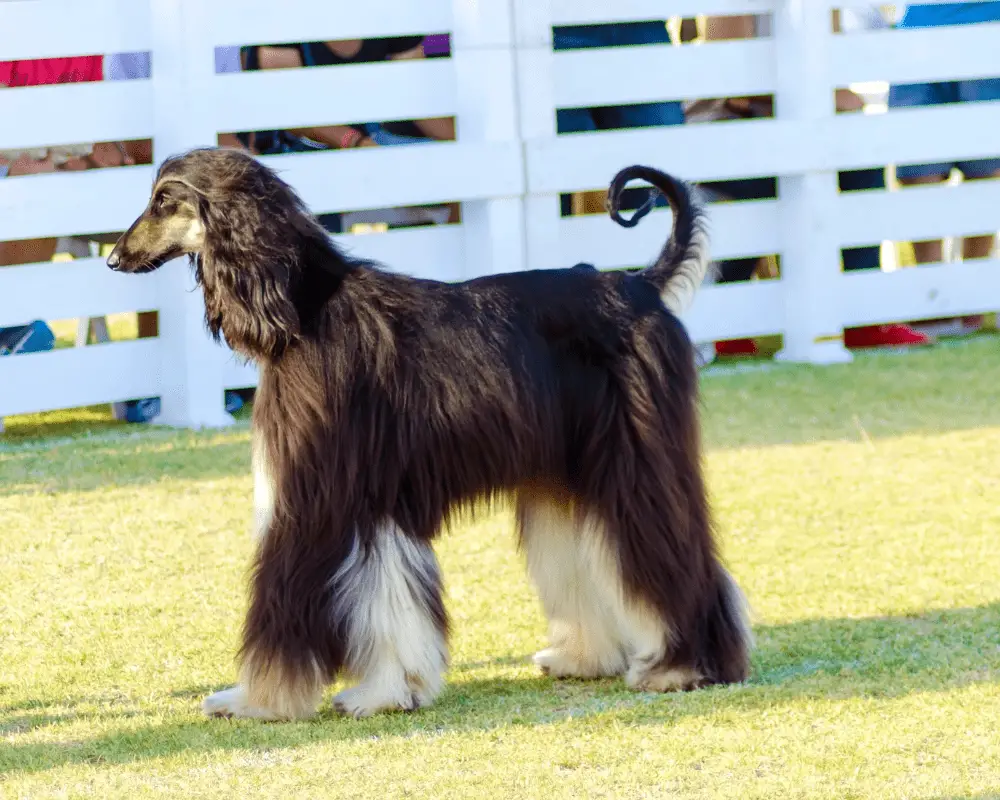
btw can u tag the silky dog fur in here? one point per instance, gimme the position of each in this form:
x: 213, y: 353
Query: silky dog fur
x: 387, y: 402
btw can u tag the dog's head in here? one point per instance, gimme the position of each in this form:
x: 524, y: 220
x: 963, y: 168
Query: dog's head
x: 247, y: 233
x: 169, y: 226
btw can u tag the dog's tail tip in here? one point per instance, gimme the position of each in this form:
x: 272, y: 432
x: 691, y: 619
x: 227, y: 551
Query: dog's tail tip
x: 682, y: 264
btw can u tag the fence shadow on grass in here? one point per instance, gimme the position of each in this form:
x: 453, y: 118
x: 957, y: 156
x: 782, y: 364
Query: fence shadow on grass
x: 814, y: 659
x: 124, y: 458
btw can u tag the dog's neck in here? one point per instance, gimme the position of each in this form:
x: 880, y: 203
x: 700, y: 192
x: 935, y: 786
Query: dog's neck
x: 323, y: 270
x: 262, y: 311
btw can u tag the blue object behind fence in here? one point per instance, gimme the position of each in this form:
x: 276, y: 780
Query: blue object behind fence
x: 35, y: 337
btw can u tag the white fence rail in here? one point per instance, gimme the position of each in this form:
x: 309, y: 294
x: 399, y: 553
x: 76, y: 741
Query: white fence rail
x: 508, y: 167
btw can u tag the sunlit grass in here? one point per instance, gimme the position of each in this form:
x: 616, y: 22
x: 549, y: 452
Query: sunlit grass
x: 859, y: 506
x: 121, y: 327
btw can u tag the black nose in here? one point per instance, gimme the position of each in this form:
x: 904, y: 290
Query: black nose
x: 114, y: 259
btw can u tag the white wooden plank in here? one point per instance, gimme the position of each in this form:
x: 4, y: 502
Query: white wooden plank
x: 398, y: 176
x: 693, y: 152
x: 482, y: 24
x: 79, y: 376
x: 52, y: 28
x: 76, y: 113
x: 272, y: 99
x: 81, y: 288
x: 486, y: 102
x: 918, y: 213
x: 621, y: 75
x: 907, y: 136
x: 240, y: 22
x: 917, y: 54
x: 573, y: 12
x: 67, y: 203
x: 570, y: 12
x: 237, y: 374
x: 926, y: 292
x: 736, y: 310
x: 426, y: 252
x: 736, y: 230
x: 718, y: 151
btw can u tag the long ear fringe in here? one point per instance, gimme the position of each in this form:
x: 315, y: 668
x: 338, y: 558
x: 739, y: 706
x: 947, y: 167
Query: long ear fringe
x: 262, y: 252
x: 249, y: 303
x: 250, y: 265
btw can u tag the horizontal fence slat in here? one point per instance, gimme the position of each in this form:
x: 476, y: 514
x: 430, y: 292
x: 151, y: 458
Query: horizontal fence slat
x: 367, y: 178
x: 52, y: 28
x: 63, y: 204
x: 571, y: 12
x: 695, y: 152
x: 425, y: 252
x: 925, y: 292
x: 568, y: 12
x: 273, y: 99
x: 916, y: 55
x: 754, y: 148
x: 736, y: 311
x: 737, y: 230
x: 919, y: 212
x: 241, y: 22
x: 239, y: 375
x: 67, y: 289
x: 76, y: 113
x: 80, y: 376
x: 908, y: 136
x: 622, y: 75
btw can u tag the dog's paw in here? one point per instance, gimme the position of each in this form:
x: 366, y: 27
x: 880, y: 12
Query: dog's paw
x: 664, y: 679
x: 366, y: 699
x: 558, y: 663
x: 233, y: 703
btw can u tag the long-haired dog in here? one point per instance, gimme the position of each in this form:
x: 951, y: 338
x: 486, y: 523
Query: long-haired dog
x: 386, y: 402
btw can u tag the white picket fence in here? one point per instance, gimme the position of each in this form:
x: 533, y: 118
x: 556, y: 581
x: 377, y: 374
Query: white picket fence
x: 507, y: 167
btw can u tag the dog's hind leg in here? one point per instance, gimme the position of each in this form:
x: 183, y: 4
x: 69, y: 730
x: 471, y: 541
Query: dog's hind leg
x: 658, y: 525
x: 711, y: 648
x: 600, y: 624
x: 580, y: 588
x: 388, y: 605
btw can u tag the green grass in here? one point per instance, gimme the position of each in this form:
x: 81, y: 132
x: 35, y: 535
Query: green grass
x: 859, y: 506
x: 121, y: 327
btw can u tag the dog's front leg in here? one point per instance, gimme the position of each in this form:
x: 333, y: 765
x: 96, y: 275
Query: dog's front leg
x: 287, y: 623
x: 388, y: 603
x: 288, y: 627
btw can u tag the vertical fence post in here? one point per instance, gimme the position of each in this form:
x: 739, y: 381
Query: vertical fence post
x: 536, y: 109
x: 811, y: 272
x: 482, y: 51
x: 182, y: 81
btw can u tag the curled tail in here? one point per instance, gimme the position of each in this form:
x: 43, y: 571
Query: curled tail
x: 683, y: 262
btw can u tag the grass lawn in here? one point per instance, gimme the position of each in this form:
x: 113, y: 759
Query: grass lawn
x: 859, y: 506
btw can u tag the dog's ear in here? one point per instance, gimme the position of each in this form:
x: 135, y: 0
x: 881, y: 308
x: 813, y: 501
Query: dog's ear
x: 266, y: 265
x: 248, y: 299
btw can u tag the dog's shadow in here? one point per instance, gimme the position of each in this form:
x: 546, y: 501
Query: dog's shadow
x: 812, y: 659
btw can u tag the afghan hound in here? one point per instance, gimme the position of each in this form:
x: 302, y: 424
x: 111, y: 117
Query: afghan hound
x: 388, y: 402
